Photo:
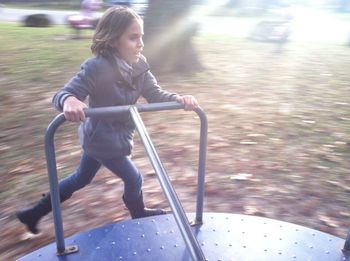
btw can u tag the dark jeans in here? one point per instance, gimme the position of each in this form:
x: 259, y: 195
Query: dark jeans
x: 123, y: 167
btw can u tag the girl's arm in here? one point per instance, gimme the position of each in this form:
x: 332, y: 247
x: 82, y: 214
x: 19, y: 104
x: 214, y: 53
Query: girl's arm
x: 70, y: 98
x: 73, y: 109
x: 80, y: 86
x: 189, y: 101
x: 154, y: 93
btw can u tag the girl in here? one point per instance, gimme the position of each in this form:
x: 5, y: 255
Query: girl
x: 117, y: 74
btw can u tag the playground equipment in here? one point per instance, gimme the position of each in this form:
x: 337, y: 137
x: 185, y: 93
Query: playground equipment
x: 210, y: 236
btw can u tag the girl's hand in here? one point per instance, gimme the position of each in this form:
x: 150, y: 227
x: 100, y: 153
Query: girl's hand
x: 73, y: 109
x: 188, y: 101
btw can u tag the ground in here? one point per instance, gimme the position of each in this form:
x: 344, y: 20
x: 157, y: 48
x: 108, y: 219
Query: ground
x: 278, y: 143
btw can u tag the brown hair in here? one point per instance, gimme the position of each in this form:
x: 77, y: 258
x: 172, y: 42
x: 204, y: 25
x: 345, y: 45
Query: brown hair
x: 111, y: 26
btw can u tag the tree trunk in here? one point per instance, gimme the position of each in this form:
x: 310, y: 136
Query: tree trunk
x: 168, y: 37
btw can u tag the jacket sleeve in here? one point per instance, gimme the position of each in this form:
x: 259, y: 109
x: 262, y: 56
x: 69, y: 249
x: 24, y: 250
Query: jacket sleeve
x: 80, y: 86
x: 152, y: 92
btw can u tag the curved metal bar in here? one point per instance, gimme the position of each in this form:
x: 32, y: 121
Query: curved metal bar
x: 109, y: 112
x: 114, y: 110
x: 201, y: 164
x: 53, y: 180
x: 178, y: 212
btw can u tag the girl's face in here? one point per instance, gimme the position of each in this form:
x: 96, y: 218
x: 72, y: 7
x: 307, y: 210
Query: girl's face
x: 130, y: 45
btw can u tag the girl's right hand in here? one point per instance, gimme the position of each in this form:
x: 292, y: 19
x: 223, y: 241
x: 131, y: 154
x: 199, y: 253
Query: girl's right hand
x: 73, y: 109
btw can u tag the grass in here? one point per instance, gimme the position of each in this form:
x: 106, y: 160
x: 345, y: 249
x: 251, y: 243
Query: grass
x: 281, y: 117
x: 34, y: 63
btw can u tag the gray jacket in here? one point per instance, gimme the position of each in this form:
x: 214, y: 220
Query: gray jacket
x: 101, y: 81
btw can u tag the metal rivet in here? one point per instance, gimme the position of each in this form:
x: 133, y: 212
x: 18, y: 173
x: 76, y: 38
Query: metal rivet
x: 123, y: 226
x: 244, y: 246
x: 120, y: 257
x: 128, y: 238
x: 142, y: 235
x: 214, y: 230
x: 176, y: 245
x: 98, y: 247
x: 216, y: 244
x: 230, y: 245
x: 313, y: 234
x: 265, y: 250
x: 280, y: 238
x: 229, y: 231
x: 157, y: 233
x: 39, y: 255
x: 330, y: 240
x: 294, y: 256
x: 113, y: 243
x: 327, y: 252
x: 279, y: 253
x: 295, y: 243
x: 167, y: 218
x: 162, y: 247
x: 265, y: 235
x: 135, y: 253
x: 171, y: 231
x: 148, y: 250
x: 153, y: 220
x: 311, y: 247
x: 297, y: 229
x: 203, y: 243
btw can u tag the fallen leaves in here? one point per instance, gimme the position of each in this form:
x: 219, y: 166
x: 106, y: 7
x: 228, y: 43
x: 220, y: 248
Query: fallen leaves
x: 327, y: 221
x: 241, y: 176
x: 23, y: 167
x: 338, y: 184
x: 252, y: 210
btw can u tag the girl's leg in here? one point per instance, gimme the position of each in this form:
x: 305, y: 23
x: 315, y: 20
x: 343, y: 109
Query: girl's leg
x: 124, y: 168
x: 133, y: 198
x: 81, y: 177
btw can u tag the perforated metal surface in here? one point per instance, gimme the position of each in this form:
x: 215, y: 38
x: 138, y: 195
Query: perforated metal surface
x: 222, y: 237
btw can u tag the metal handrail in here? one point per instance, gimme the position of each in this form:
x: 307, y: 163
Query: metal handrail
x: 177, y: 209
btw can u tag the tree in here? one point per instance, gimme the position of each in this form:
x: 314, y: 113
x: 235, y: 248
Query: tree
x: 168, y: 36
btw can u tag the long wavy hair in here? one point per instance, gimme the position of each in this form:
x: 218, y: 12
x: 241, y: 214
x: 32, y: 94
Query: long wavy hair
x: 110, y: 27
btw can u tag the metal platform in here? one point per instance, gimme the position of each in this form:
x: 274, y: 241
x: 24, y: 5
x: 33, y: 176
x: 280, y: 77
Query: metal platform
x: 222, y: 237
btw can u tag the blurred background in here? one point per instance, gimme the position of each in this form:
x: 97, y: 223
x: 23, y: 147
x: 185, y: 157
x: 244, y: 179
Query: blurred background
x: 272, y: 76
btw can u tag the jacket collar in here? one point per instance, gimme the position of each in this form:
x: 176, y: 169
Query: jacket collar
x: 137, y: 69
x: 140, y: 67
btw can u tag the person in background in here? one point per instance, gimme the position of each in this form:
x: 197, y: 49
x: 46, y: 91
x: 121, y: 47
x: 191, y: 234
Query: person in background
x: 117, y: 74
x: 90, y: 6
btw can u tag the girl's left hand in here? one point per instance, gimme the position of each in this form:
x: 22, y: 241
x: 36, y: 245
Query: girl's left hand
x: 188, y: 101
